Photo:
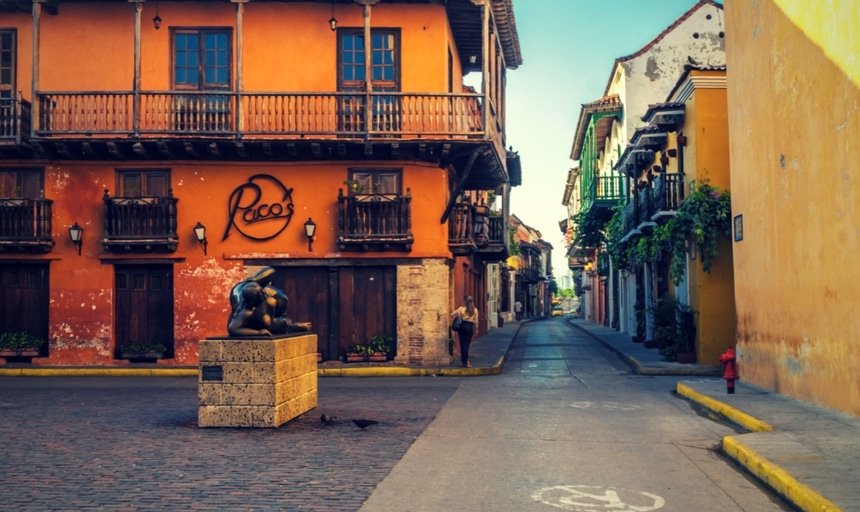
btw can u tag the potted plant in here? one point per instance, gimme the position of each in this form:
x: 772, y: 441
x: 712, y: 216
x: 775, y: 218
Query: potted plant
x: 378, y: 348
x: 140, y: 350
x: 356, y: 353
x: 20, y: 344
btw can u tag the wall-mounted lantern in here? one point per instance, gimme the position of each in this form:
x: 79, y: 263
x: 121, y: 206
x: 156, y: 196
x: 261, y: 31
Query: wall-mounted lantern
x: 332, y: 22
x: 310, y: 231
x: 156, y: 20
x: 200, y: 235
x: 76, y: 233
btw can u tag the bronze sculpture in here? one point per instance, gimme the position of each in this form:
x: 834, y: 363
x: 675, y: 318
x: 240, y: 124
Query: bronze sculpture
x: 259, y: 309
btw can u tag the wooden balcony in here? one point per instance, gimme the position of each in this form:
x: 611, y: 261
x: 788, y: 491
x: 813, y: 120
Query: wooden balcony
x: 375, y: 222
x: 477, y: 231
x: 645, y: 208
x: 25, y: 225
x: 14, y: 120
x: 443, y: 128
x: 140, y: 224
x: 668, y: 194
x: 270, y: 114
x: 605, y: 193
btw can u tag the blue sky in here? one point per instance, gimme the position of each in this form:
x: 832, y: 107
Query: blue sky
x: 568, y: 49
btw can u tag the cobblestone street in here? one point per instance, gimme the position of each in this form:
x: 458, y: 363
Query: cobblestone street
x: 133, y: 443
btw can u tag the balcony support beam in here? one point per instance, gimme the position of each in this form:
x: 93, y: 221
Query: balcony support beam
x: 459, y: 188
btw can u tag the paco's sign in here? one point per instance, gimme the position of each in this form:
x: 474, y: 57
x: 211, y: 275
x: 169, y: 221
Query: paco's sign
x: 259, y: 209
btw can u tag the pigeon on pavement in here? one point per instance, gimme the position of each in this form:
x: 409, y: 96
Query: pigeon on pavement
x: 363, y: 424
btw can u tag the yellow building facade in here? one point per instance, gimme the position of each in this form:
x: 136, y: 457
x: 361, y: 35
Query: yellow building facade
x: 794, y: 118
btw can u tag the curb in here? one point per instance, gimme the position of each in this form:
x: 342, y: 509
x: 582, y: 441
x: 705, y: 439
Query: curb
x: 778, y: 479
x: 643, y: 369
x: 108, y: 371
x: 375, y: 371
x: 735, y: 416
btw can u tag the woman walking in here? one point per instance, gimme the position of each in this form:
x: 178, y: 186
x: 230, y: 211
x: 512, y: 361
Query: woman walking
x: 469, y: 316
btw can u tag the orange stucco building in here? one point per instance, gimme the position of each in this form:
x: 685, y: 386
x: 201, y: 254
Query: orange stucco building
x: 257, y: 122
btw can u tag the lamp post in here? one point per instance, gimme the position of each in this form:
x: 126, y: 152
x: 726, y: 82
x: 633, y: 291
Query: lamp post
x: 200, y: 235
x: 76, y: 233
x: 310, y: 231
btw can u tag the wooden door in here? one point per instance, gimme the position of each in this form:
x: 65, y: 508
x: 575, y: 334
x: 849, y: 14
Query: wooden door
x: 346, y: 305
x: 144, y: 305
x: 367, y: 304
x: 24, y: 298
x: 308, y: 290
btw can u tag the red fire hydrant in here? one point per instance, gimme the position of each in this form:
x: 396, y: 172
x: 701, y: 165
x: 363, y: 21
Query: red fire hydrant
x: 728, y: 360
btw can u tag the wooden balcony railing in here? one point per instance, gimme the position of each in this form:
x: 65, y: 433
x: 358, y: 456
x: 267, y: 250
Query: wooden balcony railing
x: 214, y: 113
x: 644, y: 207
x: 140, y: 223
x: 25, y: 224
x: 496, y: 233
x: 375, y: 222
x: 606, y: 191
x: 14, y: 120
x: 668, y: 193
x: 529, y: 275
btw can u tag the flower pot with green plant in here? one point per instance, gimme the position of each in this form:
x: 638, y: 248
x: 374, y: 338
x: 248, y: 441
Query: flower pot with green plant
x: 357, y: 353
x: 141, y: 350
x: 379, y: 348
x: 20, y: 344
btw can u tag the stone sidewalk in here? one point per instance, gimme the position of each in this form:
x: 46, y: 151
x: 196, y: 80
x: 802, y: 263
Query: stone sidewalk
x: 808, y: 454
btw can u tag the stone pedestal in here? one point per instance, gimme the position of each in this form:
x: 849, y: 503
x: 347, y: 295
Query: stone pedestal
x: 256, y: 382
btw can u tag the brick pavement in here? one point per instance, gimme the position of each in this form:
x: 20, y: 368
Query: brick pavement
x: 91, y: 443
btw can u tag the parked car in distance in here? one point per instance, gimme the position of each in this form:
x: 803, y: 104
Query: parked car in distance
x: 557, y: 311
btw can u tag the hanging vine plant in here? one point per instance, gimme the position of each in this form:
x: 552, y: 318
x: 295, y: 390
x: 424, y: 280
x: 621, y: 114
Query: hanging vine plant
x: 589, y: 229
x: 701, y: 219
x: 618, y: 250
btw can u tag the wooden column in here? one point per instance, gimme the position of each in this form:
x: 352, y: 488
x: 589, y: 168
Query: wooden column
x: 135, y: 116
x: 34, y: 84
x: 485, y: 65
x: 368, y: 68
x: 239, y: 86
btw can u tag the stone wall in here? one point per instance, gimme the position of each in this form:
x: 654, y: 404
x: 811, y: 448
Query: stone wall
x: 423, y: 309
x: 256, y: 382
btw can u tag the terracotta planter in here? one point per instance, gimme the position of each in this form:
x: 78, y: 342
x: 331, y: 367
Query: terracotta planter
x: 355, y: 358
x: 24, y: 352
x: 142, y: 355
x: 378, y: 357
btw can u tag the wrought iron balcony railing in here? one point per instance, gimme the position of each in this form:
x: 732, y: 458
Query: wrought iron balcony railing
x: 442, y: 115
x: 14, y: 120
x: 379, y: 222
x: 140, y: 223
x: 25, y: 224
x: 668, y: 194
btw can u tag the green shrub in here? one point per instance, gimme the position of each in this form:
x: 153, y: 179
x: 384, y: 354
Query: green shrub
x: 20, y: 341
